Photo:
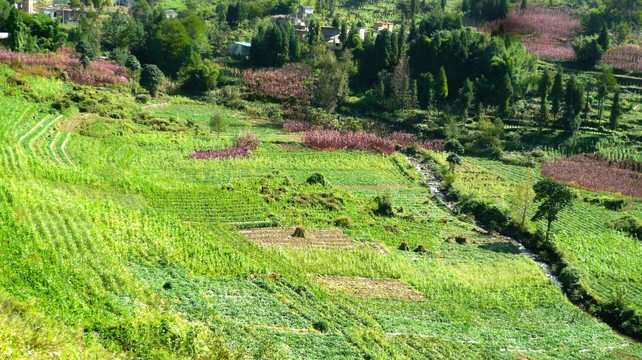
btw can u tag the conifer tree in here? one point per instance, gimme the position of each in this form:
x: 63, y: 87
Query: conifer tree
x: 441, y: 86
x: 557, y: 92
x: 616, y: 111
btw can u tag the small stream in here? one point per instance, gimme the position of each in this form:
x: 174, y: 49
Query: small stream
x: 434, y: 184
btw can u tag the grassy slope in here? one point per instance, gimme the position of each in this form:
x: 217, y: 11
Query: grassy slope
x: 609, y: 260
x: 126, y: 241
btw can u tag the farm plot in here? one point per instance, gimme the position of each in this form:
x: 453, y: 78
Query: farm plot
x: 371, y: 288
x: 282, y: 237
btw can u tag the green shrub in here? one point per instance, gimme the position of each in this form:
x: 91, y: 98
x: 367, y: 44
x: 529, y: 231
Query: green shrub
x: 344, y: 222
x: 316, y: 178
x: 321, y: 326
x: 629, y: 224
x: 384, y: 205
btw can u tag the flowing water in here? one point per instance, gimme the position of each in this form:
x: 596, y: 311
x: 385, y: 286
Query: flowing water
x: 434, y: 184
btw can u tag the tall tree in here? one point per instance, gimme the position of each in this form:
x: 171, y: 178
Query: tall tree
x: 573, y: 103
x: 505, y: 94
x: 441, y: 86
x: 553, y: 198
x: 606, y: 83
x: 522, y: 203
x: 543, y: 88
x: 557, y: 94
x: 604, y: 38
x: 465, y: 99
x: 616, y: 111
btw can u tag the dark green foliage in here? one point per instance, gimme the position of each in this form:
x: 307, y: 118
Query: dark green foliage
x: 316, y: 178
x: 505, y: 94
x: 85, y: 48
x: 426, y: 90
x: 384, y: 205
x: 151, y: 78
x: 587, y: 50
x: 84, y: 60
x: 573, y: 103
x: 454, y: 146
x: 331, y: 86
x: 604, y: 39
x: 557, y: 94
x: 553, y: 198
x: 629, y: 224
x: 344, y: 222
x: 494, y: 216
x: 201, y: 77
x: 275, y: 45
x: 606, y: 82
x: 453, y: 160
x: 465, y: 99
x: 170, y: 46
x: 33, y: 32
x: 486, y: 9
x: 132, y: 64
x: 616, y: 111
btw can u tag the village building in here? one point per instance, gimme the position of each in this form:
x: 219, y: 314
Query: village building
x: 239, y: 49
x: 25, y: 5
x: 4, y: 35
x: 171, y: 14
x: 68, y: 16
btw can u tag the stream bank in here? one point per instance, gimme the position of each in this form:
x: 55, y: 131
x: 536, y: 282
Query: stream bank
x: 626, y: 322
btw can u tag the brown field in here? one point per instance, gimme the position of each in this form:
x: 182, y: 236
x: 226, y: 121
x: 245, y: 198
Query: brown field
x: 371, y: 288
x: 280, y: 237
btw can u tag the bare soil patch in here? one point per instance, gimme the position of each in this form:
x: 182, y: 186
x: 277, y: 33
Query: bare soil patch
x: 75, y: 121
x: 371, y: 288
x: 282, y: 237
x: 374, y: 187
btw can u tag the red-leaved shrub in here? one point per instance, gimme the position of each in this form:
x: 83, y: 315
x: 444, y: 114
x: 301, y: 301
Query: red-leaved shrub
x: 626, y: 57
x: 297, y: 126
x: 594, y: 173
x: 547, y: 32
x: 284, y: 82
x: 350, y: 140
x: 66, y: 60
x: 243, y: 148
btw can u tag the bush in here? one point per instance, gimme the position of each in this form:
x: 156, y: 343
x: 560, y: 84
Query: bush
x: 344, y: 222
x: 316, y: 178
x: 249, y: 141
x: 321, y: 326
x: 570, y: 278
x: 629, y: 224
x: 455, y: 147
x: 151, y: 78
x: 495, y: 216
x: 384, y: 205
x: 143, y: 98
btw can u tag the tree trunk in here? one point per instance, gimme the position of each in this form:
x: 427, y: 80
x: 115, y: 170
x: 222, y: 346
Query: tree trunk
x: 548, y: 228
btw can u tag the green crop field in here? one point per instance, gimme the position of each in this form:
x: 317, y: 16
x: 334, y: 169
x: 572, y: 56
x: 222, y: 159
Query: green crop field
x: 116, y: 245
x: 609, y: 260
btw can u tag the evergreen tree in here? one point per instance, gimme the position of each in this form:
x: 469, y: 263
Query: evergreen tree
x: 543, y: 89
x: 573, y: 103
x: 604, y: 39
x: 616, y: 111
x: 557, y: 92
x: 505, y: 95
x: 414, y: 97
x: 465, y: 99
x: 441, y: 86
x: 85, y: 60
x: 443, y: 5
x: 426, y: 90
x: 343, y: 36
x: 524, y: 5
x: 606, y: 83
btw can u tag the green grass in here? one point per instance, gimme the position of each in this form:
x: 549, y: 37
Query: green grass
x: 124, y: 246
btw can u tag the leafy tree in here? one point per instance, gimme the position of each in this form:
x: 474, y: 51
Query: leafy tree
x: 553, y: 198
x: 557, y: 94
x: 85, y: 60
x: 85, y: 48
x: 454, y: 146
x: 604, y: 39
x: 441, y: 85
x: 201, y: 76
x: 606, y: 83
x: 343, y: 36
x: 587, y: 50
x: 616, y: 111
x: 151, y: 78
x: 453, y: 160
x: 543, y: 88
x: 465, y: 98
x: 217, y: 124
x: 573, y: 103
x: 522, y: 203
x: 331, y: 86
x: 170, y: 46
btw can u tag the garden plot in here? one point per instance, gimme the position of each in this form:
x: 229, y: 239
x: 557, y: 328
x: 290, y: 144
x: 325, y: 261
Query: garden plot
x: 282, y: 237
x: 371, y: 288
